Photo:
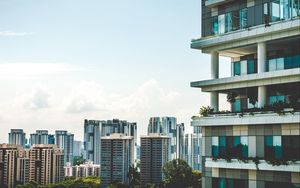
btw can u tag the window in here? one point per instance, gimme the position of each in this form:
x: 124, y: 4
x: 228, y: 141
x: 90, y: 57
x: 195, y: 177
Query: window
x: 292, y: 62
x: 275, y: 10
x: 285, y: 9
x: 276, y: 64
x: 251, y: 66
x: 235, y: 20
x: 215, y: 146
x: 222, y: 146
x: 236, y: 68
x: 221, y: 23
x: 291, y: 147
x: 243, y: 67
x: 276, y: 98
x: 228, y: 22
x: 273, y: 147
x: 229, y: 183
x: 243, y: 18
x: 215, y: 25
x: 244, y: 143
x: 295, y: 8
x: 236, y: 106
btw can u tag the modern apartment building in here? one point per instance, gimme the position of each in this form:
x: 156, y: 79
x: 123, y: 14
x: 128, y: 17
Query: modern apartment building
x: 17, y: 136
x: 94, y: 130
x: 8, y: 164
x: 168, y: 126
x: 39, y: 137
x: 117, y: 151
x: 82, y: 170
x: 257, y: 143
x: 155, y: 152
x: 192, y: 149
x: 65, y: 141
x: 46, y: 164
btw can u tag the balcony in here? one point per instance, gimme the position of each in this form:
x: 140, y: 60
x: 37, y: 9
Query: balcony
x: 246, y: 37
x: 250, y: 165
x: 250, y: 118
x: 214, y: 3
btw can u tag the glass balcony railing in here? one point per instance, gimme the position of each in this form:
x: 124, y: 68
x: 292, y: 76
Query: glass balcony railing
x: 250, y: 66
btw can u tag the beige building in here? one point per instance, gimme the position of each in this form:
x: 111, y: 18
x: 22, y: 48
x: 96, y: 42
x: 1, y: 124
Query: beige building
x: 46, y: 164
x: 82, y: 170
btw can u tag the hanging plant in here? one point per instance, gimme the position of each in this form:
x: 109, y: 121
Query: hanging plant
x: 231, y: 97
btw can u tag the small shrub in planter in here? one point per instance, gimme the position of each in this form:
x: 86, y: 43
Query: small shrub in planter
x: 205, y: 111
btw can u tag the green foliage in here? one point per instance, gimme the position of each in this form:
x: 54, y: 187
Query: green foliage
x: 196, y: 179
x: 134, y: 176
x: 118, y: 185
x: 69, y: 182
x: 78, y: 160
x: 179, y: 174
x: 205, y: 111
x: 231, y: 97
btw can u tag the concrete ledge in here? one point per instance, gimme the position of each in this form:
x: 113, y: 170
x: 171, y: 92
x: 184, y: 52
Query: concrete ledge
x: 249, y: 80
x: 256, y: 119
x: 250, y: 165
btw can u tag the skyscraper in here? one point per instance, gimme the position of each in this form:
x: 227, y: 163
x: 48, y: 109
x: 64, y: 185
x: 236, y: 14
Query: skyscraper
x: 17, y: 136
x: 168, y: 126
x: 248, y: 146
x: 46, y: 164
x: 155, y: 152
x: 65, y: 141
x: 117, y: 152
x: 94, y: 130
x: 39, y: 137
x: 78, y: 148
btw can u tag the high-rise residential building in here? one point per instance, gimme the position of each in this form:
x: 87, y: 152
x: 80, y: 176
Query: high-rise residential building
x: 46, y: 164
x: 192, y: 149
x: 65, y: 141
x: 94, y: 130
x: 168, y: 126
x: 39, y: 137
x: 82, y: 170
x: 8, y: 164
x: 78, y: 148
x: 253, y: 144
x: 155, y: 152
x: 117, y: 151
x: 17, y: 136
x: 51, y: 139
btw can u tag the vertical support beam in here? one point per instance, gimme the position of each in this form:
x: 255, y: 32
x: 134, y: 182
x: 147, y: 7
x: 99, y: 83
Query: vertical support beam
x: 261, y: 57
x: 261, y: 60
x: 214, y: 70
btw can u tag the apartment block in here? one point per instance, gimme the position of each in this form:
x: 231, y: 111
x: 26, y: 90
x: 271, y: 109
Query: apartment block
x: 82, y: 170
x: 46, y: 164
x: 168, y: 126
x: 117, y: 151
x: 65, y: 141
x: 17, y: 136
x: 155, y: 152
x: 257, y: 142
x: 41, y: 137
x: 95, y: 129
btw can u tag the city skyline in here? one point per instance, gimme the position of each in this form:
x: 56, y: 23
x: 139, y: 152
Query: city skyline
x: 49, y: 62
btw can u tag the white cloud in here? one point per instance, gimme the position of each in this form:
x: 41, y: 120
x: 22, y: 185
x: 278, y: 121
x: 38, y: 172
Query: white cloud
x: 24, y: 70
x: 38, y: 98
x: 13, y: 34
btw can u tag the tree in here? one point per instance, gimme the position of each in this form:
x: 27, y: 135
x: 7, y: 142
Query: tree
x: 196, y: 179
x: 231, y: 97
x: 134, y: 176
x: 78, y: 160
x: 177, y: 174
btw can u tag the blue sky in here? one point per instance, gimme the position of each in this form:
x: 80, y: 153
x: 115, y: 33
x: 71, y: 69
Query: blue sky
x: 65, y: 60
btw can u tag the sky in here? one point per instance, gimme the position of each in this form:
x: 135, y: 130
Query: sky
x: 63, y: 61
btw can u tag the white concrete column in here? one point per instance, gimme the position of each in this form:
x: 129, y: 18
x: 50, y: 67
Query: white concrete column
x: 262, y: 96
x: 261, y: 57
x: 214, y: 100
x: 214, y: 65
x: 261, y: 67
x: 214, y: 74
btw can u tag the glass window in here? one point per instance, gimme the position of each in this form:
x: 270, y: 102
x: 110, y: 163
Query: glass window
x: 275, y: 10
x: 228, y: 22
x: 243, y: 18
x: 235, y: 20
x: 266, y: 13
x: 272, y: 64
x: 215, y: 146
x: 222, y: 146
x: 236, y: 68
x: 284, y: 9
x: 251, y: 67
x: 279, y: 63
x: 236, y: 106
x: 221, y: 23
x: 295, y: 8
x: 277, y: 146
x: 215, y: 26
x: 243, y: 67
x: 244, y: 143
x: 273, y: 147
